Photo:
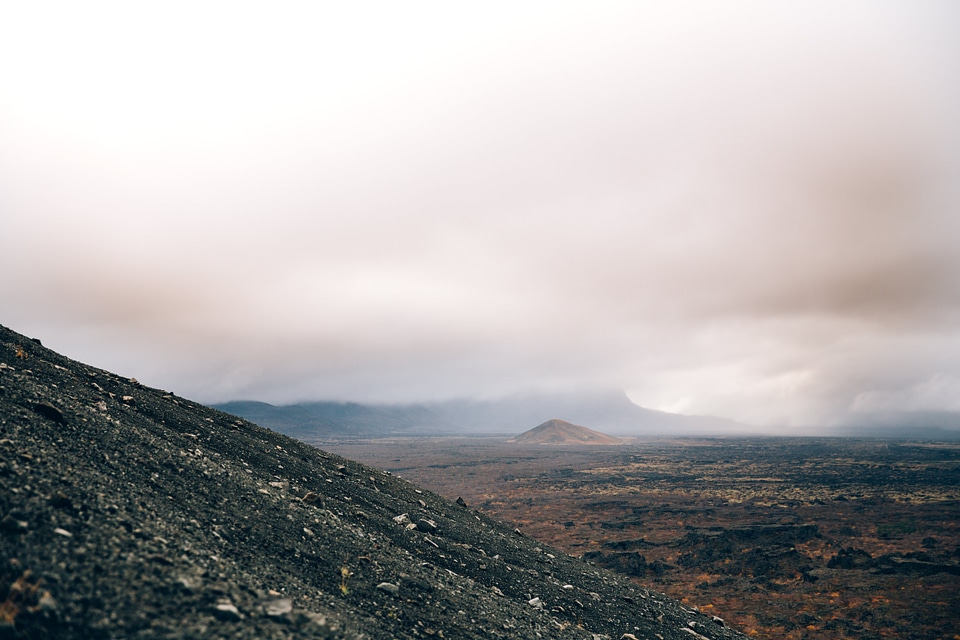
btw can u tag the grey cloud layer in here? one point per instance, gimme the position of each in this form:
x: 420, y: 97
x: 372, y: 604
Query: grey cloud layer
x: 749, y: 213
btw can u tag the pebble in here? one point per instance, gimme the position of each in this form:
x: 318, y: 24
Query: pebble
x: 416, y: 583
x: 388, y: 587
x: 187, y: 584
x: 59, y: 500
x: 49, y: 411
x: 279, y: 608
x: 225, y: 610
x: 426, y: 526
x: 12, y: 525
x: 536, y: 603
x: 47, y: 603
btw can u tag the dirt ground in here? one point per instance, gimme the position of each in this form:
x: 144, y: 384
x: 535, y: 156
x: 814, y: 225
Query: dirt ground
x: 787, y: 538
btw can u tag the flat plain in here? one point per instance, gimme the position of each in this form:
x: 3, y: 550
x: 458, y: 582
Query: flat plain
x: 796, y: 538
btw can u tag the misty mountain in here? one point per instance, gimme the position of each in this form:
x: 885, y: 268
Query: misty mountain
x: 340, y: 419
x: 611, y: 413
x: 924, y: 425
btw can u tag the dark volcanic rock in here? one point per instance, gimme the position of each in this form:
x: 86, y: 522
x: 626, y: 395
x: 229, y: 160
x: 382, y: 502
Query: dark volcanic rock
x: 129, y: 512
x: 630, y: 563
x: 850, y: 558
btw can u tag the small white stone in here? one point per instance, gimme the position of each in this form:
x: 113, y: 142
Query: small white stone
x: 388, y: 587
x: 278, y: 608
x: 226, y: 611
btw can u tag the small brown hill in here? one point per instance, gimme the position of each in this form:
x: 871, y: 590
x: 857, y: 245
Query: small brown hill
x: 562, y: 432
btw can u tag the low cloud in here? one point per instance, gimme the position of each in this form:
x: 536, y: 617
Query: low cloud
x: 750, y: 213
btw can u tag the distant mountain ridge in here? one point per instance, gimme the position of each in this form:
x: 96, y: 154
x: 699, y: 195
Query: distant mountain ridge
x: 611, y: 413
x: 341, y: 419
x: 563, y: 433
x: 931, y: 425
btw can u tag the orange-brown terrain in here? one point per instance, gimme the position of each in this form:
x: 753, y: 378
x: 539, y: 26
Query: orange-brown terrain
x: 785, y: 538
x: 563, y: 433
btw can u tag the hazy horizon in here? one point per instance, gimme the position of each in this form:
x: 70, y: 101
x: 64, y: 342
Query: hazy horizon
x: 748, y: 210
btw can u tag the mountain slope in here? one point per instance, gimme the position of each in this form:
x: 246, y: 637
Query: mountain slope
x: 312, y: 420
x: 562, y: 432
x: 128, y: 512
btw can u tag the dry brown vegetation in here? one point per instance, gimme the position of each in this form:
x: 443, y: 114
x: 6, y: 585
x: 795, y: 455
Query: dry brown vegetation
x: 785, y: 538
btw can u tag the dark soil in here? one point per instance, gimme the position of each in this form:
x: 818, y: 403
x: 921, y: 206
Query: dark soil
x: 786, y: 538
x: 127, y: 512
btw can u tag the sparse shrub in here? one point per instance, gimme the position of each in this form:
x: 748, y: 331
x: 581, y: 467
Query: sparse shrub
x: 895, y: 529
x: 850, y: 558
x: 345, y: 574
x: 18, y: 595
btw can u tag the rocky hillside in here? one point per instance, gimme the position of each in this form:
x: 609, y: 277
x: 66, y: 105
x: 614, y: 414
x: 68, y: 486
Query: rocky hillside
x: 562, y: 432
x: 128, y: 512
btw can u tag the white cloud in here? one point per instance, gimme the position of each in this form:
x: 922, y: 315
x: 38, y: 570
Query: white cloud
x: 725, y: 210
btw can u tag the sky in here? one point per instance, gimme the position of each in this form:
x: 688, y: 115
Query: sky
x: 743, y: 209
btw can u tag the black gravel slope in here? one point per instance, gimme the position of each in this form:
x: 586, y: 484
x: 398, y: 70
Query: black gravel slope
x: 128, y: 512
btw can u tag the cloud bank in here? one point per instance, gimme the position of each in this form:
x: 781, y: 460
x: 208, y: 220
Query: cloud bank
x: 749, y: 211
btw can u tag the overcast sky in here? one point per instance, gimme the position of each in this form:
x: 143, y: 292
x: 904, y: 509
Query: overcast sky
x: 746, y: 209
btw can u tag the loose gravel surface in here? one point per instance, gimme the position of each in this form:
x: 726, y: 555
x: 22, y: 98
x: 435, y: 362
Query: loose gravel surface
x: 128, y: 512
